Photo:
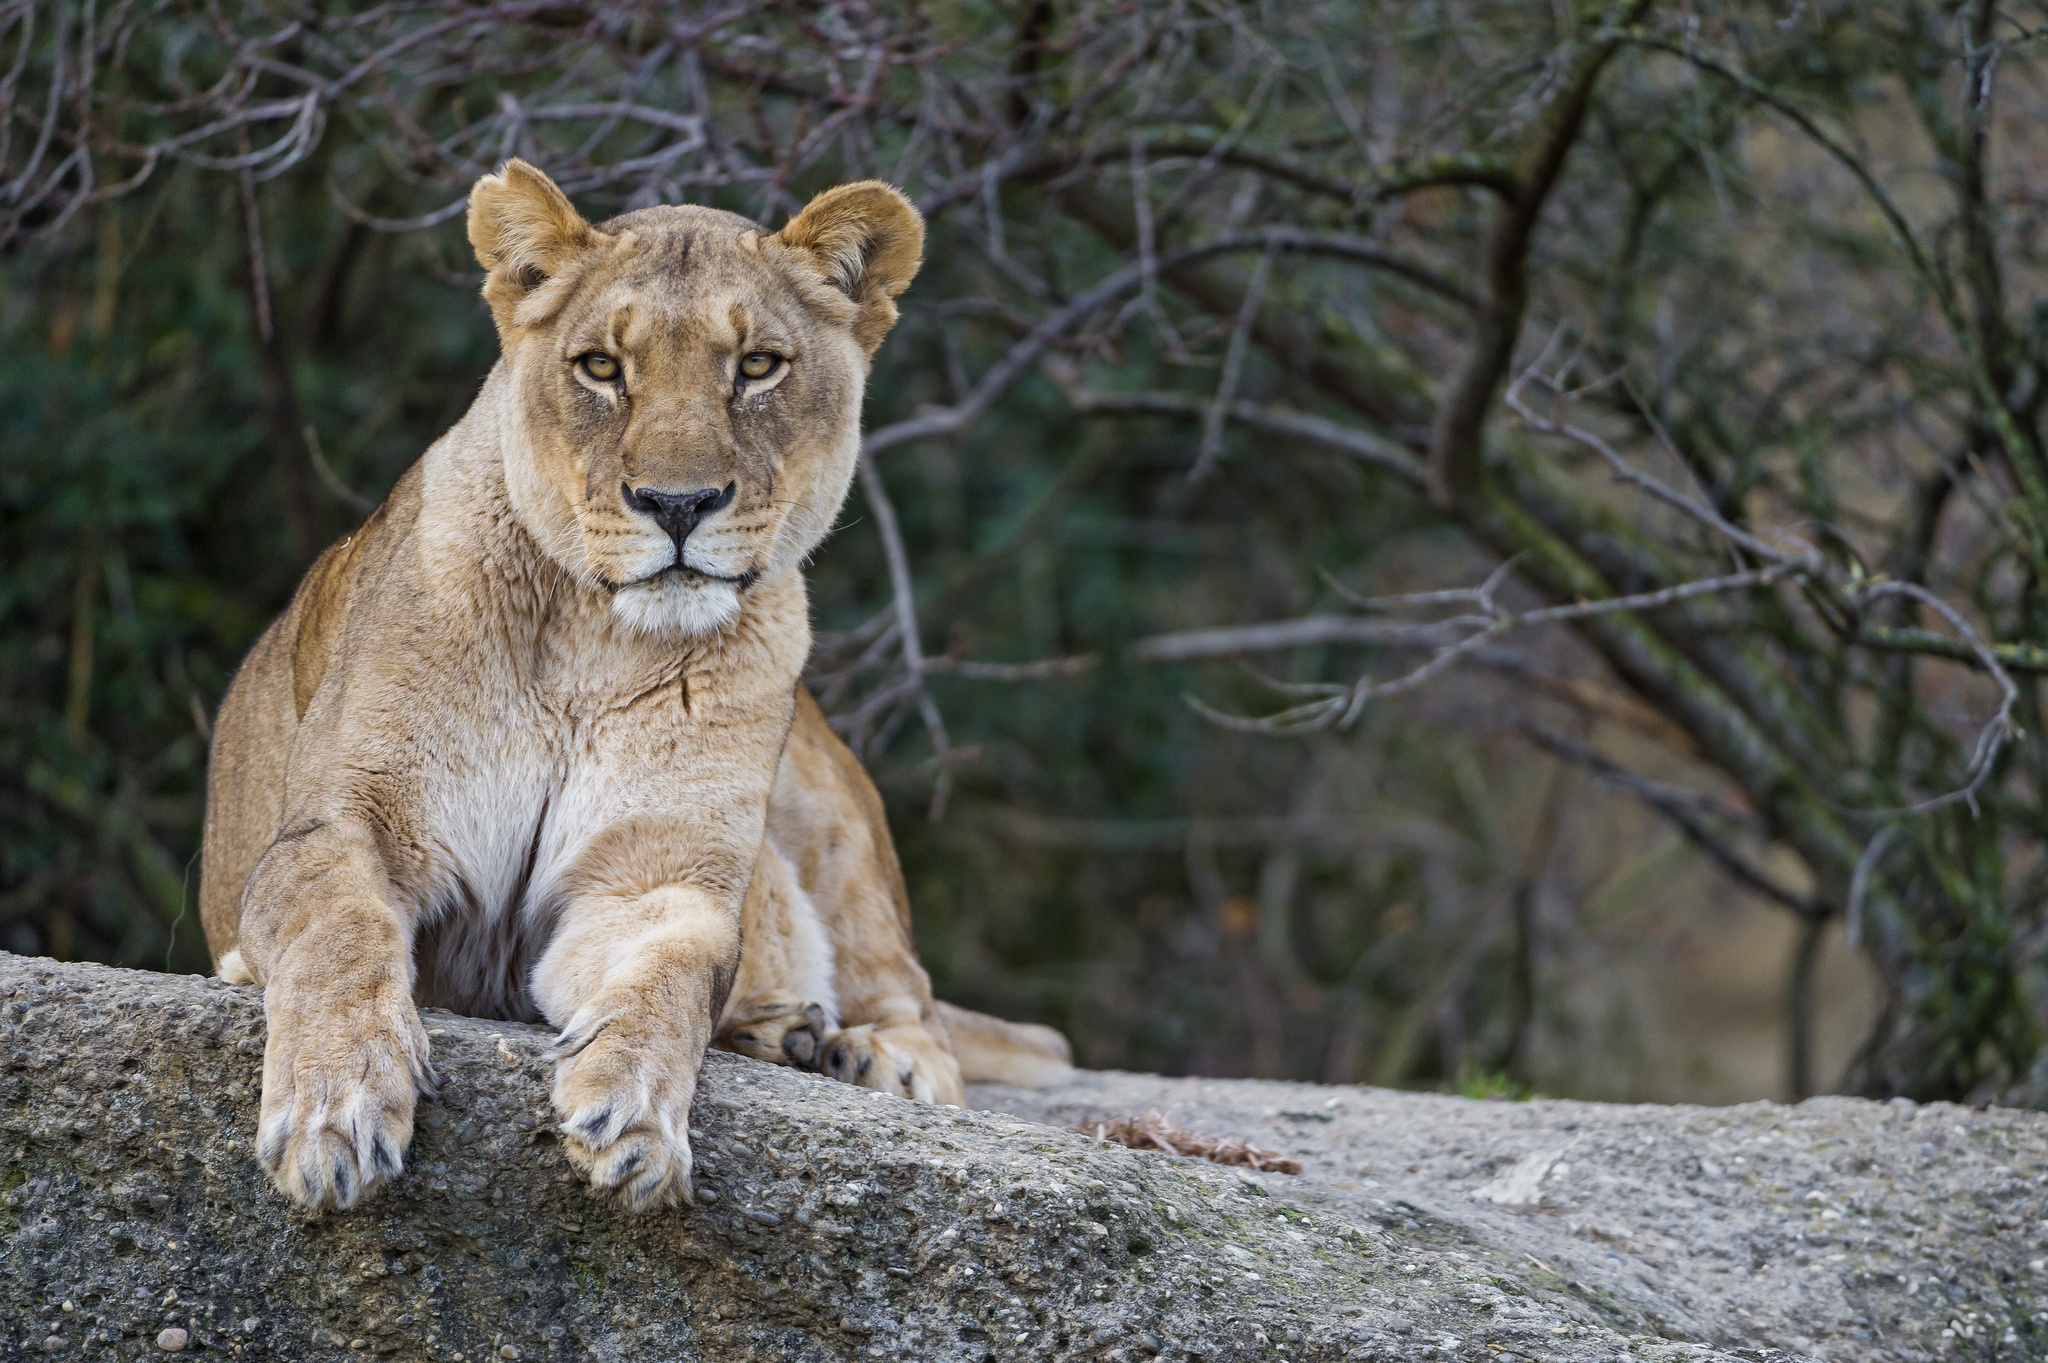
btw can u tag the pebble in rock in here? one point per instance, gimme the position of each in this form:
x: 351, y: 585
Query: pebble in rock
x: 172, y: 1341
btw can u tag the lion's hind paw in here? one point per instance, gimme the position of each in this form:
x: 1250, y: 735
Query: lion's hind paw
x: 863, y: 1057
x: 781, y: 1029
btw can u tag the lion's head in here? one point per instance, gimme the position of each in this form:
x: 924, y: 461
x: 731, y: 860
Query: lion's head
x: 686, y: 386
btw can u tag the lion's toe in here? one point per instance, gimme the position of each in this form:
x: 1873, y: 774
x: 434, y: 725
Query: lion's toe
x: 641, y: 1169
x: 640, y: 1166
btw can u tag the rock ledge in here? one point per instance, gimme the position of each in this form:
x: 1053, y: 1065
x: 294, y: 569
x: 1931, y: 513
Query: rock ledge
x: 839, y: 1224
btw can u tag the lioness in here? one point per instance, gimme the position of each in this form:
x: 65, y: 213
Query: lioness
x: 531, y: 744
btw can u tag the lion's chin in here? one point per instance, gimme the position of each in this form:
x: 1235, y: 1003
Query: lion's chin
x: 676, y: 604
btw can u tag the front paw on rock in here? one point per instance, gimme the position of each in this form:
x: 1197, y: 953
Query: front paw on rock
x: 624, y: 1115
x: 337, y: 1118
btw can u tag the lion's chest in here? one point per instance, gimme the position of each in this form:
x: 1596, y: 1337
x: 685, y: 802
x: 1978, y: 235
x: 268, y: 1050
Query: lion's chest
x: 510, y: 812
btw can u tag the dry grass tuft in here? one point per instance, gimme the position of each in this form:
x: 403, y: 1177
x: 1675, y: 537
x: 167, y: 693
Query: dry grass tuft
x: 1153, y: 1132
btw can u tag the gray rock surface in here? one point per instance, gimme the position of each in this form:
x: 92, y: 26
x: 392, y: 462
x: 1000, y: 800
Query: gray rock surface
x: 839, y: 1224
x: 1837, y: 1229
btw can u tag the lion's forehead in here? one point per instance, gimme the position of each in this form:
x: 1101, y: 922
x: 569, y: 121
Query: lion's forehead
x: 655, y: 295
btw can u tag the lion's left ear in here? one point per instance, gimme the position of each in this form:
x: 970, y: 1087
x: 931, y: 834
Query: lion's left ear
x: 527, y: 237
x: 869, y: 241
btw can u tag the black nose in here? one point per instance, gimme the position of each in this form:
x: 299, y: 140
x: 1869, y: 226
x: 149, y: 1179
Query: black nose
x: 677, y: 513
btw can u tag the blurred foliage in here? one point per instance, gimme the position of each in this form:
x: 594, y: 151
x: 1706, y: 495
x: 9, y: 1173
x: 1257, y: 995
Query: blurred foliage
x: 149, y: 536
x: 1673, y: 210
x: 1472, y: 1082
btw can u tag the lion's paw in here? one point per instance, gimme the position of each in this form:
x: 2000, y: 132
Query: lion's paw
x: 338, y: 1098
x: 623, y: 1096
x: 779, y: 1028
x: 863, y: 1057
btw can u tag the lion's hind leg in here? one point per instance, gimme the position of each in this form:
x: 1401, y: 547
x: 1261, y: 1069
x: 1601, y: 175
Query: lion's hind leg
x: 783, y: 1004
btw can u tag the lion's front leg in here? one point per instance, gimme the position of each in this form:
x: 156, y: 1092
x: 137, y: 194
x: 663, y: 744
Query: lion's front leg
x: 634, y: 984
x: 345, y: 1054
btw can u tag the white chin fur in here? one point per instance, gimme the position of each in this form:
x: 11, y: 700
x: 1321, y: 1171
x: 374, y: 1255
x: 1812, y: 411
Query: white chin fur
x: 676, y: 605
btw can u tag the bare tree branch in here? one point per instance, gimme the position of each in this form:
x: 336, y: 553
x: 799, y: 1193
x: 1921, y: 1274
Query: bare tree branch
x: 1684, y: 809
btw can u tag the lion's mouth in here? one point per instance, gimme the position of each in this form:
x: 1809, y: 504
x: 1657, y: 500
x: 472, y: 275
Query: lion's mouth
x: 683, y: 572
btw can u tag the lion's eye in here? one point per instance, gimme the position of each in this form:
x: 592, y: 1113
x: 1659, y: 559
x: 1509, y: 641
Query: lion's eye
x: 601, y: 367
x: 759, y: 365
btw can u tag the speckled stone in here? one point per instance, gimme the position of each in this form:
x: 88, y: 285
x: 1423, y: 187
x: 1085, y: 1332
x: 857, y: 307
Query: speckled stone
x: 855, y: 1226
x: 1835, y: 1229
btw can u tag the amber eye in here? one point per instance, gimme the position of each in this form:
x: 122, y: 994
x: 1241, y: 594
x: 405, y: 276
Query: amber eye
x: 759, y: 365
x: 603, y: 368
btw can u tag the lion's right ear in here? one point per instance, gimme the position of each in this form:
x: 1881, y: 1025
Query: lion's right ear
x: 526, y: 233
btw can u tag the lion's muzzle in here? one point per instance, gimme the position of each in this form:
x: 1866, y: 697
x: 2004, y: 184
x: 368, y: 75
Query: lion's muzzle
x: 677, y: 513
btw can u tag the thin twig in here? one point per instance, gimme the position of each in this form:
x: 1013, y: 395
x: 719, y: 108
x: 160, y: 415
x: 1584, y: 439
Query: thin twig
x: 1362, y: 445
x: 347, y: 495
x: 1340, y: 707
x: 1018, y: 360
x: 1683, y: 809
x: 905, y: 593
x: 259, y: 268
x: 1991, y: 738
x: 1233, y: 367
x: 1859, y: 882
x: 1807, y: 559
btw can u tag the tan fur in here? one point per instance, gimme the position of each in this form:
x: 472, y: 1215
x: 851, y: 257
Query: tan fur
x: 518, y: 750
x: 992, y: 1051
x: 829, y: 854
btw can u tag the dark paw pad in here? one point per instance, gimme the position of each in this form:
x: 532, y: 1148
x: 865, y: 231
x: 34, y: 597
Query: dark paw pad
x: 801, y: 1044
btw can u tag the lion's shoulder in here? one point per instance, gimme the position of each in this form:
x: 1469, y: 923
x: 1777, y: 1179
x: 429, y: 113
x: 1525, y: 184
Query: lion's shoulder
x: 319, y: 613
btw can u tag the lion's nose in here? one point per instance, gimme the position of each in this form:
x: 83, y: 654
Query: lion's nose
x: 677, y: 513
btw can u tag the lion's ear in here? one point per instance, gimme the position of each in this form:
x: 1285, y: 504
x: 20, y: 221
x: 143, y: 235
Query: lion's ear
x: 525, y: 232
x: 869, y: 241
